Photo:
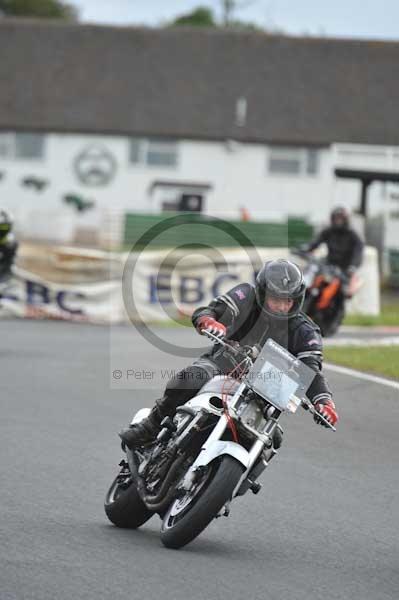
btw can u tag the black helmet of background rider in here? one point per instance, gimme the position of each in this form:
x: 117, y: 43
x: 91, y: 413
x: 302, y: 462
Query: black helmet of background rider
x: 339, y: 218
x: 280, y: 279
x: 6, y: 222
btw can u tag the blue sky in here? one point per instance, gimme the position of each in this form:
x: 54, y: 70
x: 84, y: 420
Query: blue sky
x: 348, y: 18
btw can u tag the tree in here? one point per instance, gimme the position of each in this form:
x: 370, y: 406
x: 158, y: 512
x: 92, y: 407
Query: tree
x: 53, y: 9
x: 204, y: 17
x: 200, y: 17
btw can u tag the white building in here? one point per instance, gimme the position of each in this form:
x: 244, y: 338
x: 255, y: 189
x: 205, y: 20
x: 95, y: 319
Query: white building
x: 111, y: 120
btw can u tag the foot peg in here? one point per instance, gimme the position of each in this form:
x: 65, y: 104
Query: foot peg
x: 168, y: 427
x: 255, y: 487
x: 224, y: 511
x: 168, y: 423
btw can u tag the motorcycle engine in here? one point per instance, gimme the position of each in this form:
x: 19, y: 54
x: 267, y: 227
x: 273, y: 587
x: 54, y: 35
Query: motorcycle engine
x: 158, y: 466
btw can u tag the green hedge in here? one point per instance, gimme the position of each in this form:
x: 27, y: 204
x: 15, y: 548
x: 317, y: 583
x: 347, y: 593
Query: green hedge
x: 190, y: 229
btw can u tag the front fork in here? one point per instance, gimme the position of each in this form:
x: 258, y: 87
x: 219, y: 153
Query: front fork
x: 255, y: 454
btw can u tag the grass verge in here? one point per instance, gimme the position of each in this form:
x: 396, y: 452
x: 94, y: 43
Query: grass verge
x: 389, y: 316
x: 380, y: 360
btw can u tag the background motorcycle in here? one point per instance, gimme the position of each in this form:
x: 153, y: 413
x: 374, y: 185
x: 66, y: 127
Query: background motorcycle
x: 215, y: 447
x: 326, y: 286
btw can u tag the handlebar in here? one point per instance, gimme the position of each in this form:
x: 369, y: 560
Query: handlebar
x: 305, y: 254
x: 300, y: 253
x: 251, y: 352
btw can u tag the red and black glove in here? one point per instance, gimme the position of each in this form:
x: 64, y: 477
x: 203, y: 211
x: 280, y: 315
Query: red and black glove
x: 326, y: 408
x: 209, y: 325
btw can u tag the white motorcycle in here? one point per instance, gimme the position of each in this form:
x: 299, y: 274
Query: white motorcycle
x: 215, y: 447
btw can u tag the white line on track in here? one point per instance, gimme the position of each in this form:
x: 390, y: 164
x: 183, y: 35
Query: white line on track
x: 367, y: 341
x: 360, y: 375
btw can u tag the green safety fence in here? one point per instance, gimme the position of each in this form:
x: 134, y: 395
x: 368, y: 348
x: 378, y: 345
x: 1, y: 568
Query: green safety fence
x: 394, y: 267
x: 190, y: 229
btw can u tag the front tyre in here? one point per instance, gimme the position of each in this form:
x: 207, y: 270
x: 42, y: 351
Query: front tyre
x: 188, y: 516
x: 123, y: 505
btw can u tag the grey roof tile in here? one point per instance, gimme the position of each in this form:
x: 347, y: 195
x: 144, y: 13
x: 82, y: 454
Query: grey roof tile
x: 185, y: 83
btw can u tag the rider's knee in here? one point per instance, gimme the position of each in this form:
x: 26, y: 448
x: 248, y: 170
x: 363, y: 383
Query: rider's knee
x: 192, y: 377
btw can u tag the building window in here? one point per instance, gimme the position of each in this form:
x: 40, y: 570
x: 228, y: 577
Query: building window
x: 135, y: 152
x: 6, y: 145
x: 29, y: 145
x: 312, y: 161
x: 154, y: 152
x: 22, y: 146
x: 359, y: 151
x: 293, y: 161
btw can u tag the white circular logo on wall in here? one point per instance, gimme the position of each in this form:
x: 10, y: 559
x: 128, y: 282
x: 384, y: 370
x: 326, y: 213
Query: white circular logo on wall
x: 95, y: 166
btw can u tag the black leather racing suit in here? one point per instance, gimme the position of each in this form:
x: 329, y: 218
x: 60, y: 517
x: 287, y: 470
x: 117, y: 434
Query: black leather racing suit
x: 345, y: 248
x: 248, y: 324
x: 8, y: 249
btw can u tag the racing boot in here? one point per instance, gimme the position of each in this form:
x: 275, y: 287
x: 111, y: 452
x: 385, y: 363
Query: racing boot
x: 145, y: 431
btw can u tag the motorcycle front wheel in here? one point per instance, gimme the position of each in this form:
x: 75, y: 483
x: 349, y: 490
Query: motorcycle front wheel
x: 123, y: 505
x: 188, y: 516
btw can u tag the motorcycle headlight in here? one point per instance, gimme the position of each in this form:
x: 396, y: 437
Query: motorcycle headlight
x: 252, y: 415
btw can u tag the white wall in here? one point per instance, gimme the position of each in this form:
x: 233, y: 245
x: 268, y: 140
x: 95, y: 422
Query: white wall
x: 241, y: 178
x: 237, y: 172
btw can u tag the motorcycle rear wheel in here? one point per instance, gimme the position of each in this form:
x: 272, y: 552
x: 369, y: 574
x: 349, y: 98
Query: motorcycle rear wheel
x: 187, y: 517
x: 124, y: 507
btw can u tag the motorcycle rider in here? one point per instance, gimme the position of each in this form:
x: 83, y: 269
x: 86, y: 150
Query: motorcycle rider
x: 8, y: 244
x: 345, y: 248
x: 249, y: 315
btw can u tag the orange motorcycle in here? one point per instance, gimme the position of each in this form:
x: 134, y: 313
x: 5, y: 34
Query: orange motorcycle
x: 327, y: 287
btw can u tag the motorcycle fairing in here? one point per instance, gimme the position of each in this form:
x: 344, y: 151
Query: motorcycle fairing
x: 328, y: 293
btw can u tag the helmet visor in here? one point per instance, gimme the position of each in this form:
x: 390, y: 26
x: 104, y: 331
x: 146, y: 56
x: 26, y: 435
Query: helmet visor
x: 339, y: 218
x: 282, y: 308
x: 279, y: 306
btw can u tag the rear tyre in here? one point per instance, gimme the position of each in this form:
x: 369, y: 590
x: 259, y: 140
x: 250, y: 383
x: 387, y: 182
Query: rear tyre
x: 187, y: 517
x: 333, y: 321
x: 124, y: 507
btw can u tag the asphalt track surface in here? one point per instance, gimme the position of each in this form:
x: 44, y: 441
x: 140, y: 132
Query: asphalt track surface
x: 325, y: 525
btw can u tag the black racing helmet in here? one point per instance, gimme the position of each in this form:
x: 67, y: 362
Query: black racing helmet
x: 280, y: 279
x: 6, y: 222
x: 339, y: 218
